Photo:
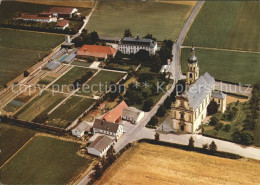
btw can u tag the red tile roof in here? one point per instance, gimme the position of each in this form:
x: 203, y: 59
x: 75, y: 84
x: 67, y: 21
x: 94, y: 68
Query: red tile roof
x: 33, y: 16
x: 96, y: 51
x: 62, y: 23
x: 66, y: 10
x: 116, y: 113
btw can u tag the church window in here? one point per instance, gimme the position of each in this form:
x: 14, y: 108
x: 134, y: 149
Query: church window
x: 182, y: 115
x: 190, y: 75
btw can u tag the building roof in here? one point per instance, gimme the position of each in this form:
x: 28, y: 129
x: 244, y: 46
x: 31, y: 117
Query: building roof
x: 104, y: 125
x: 61, y: 52
x: 83, y: 126
x: 64, y: 10
x: 218, y: 94
x: 52, y: 65
x: 33, y: 16
x: 62, y: 23
x: 115, y: 113
x: 132, y: 113
x: 101, y: 143
x: 192, y: 58
x: 96, y: 51
x: 103, y: 37
x: 138, y: 41
x: 198, y: 91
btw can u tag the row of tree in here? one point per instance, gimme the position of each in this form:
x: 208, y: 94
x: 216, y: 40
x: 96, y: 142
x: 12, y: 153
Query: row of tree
x: 79, y: 82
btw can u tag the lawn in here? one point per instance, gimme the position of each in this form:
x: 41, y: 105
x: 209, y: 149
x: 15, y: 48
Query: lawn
x: 42, y: 104
x: 162, y: 19
x: 227, y: 24
x: 79, y: 63
x: 20, y: 50
x: 45, y: 160
x: 154, y: 164
x: 69, y: 111
x: 100, y: 82
x: 226, y: 65
x: 12, y: 139
x: 65, y: 83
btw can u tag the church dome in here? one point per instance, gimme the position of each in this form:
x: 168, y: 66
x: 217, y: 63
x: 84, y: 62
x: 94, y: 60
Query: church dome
x: 192, y: 58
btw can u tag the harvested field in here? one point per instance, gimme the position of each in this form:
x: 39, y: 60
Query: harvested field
x: 153, y: 164
x: 45, y: 160
x: 231, y: 99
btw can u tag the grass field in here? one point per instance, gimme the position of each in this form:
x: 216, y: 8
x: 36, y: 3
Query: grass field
x: 227, y: 24
x: 152, y: 164
x: 42, y: 104
x: 11, y: 140
x: 162, y: 19
x: 44, y: 161
x: 67, y: 80
x: 69, y: 111
x: 19, y: 50
x: 100, y: 81
x: 226, y: 65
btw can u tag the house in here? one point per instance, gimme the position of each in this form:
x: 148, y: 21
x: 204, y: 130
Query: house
x: 37, y: 18
x: 132, y: 114
x: 63, y: 24
x: 96, y: 52
x: 190, y: 107
x: 108, y: 128
x: 81, y: 128
x: 130, y: 45
x: 115, y: 115
x: 100, y: 146
x: 64, y: 12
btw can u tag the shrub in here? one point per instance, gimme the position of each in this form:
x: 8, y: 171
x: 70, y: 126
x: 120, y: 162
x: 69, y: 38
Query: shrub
x: 213, y: 147
x: 153, y: 121
x: 218, y: 126
x: 227, y: 128
x: 212, y: 108
x: 205, y: 146
x: 147, y: 105
x: 161, y: 111
x: 213, y: 121
x: 191, y: 142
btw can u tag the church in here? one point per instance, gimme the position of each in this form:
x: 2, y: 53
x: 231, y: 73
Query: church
x: 190, y: 107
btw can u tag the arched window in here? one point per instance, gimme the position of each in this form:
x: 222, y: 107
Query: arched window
x: 190, y: 75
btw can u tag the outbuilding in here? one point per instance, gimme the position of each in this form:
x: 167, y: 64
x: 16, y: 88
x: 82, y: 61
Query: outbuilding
x: 81, y: 129
x: 132, y: 114
x: 100, y: 146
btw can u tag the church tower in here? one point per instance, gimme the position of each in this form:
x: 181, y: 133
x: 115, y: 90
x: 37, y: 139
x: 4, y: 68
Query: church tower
x: 192, y: 73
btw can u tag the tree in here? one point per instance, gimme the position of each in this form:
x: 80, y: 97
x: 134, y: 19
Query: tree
x: 98, y: 172
x: 227, y: 128
x: 213, y: 147
x: 153, y: 121
x: 111, y: 155
x: 26, y: 73
x: 94, y: 37
x: 205, y: 146
x: 157, y: 136
x: 148, y: 105
x: 127, y: 33
x: 213, y: 121
x: 167, y: 103
x: 212, y: 108
x: 218, y: 126
x: 191, y: 143
x: 161, y: 111
x: 150, y: 36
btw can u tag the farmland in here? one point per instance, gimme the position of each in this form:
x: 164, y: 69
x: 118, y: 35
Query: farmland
x: 19, y: 50
x: 12, y: 139
x: 69, y: 111
x: 162, y: 19
x: 67, y: 80
x: 42, y: 104
x: 226, y: 65
x: 227, y: 24
x: 100, y: 81
x: 153, y: 164
x: 44, y: 160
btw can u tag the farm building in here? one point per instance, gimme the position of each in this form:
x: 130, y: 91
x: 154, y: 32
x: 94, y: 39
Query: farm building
x: 130, y: 45
x: 132, y: 114
x: 99, y: 53
x: 109, y: 39
x: 37, y: 18
x: 108, y: 128
x: 63, y: 11
x: 115, y: 115
x: 81, y: 129
x: 63, y: 24
x: 100, y: 146
x: 51, y: 66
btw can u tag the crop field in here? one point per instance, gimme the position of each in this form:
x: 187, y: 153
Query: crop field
x: 65, y: 83
x: 44, y: 160
x: 100, y: 81
x: 19, y: 50
x: 226, y: 24
x: 69, y: 111
x: 226, y: 65
x: 154, y: 164
x: 42, y: 104
x: 164, y: 20
x: 12, y: 139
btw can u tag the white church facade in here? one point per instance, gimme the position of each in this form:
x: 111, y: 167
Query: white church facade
x: 190, y: 107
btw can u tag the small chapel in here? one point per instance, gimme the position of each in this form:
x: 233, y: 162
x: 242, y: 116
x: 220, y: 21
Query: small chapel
x: 190, y: 107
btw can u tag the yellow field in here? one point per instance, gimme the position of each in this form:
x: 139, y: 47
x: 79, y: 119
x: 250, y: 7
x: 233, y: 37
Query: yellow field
x: 151, y: 164
x: 193, y: 3
x: 83, y: 4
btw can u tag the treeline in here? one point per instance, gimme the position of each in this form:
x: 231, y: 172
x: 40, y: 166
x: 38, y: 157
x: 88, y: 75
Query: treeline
x: 79, y: 82
x: 86, y: 38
